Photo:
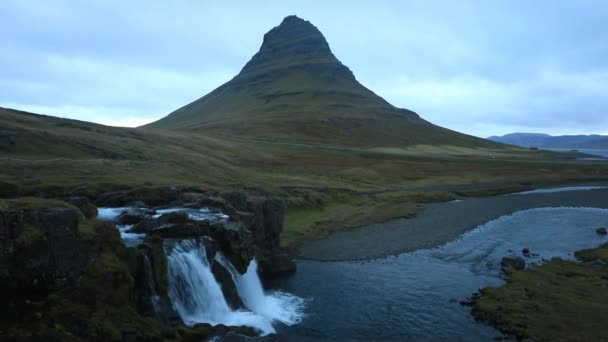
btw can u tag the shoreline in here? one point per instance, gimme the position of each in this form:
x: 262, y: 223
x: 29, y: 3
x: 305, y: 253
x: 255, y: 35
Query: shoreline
x: 437, y: 224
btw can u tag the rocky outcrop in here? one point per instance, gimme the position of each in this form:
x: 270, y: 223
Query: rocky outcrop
x: 513, y: 263
x: 253, y: 229
x: 601, y: 231
x: 222, y: 275
x: 88, y: 209
x: 40, y: 249
x: 266, y: 228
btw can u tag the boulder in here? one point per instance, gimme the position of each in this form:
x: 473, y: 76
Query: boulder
x: 88, y: 209
x: 131, y: 217
x: 525, y: 252
x: 513, y: 262
x: 266, y: 228
x: 40, y: 249
x: 237, y: 199
x: 235, y: 241
x: 223, y: 277
x: 601, y: 231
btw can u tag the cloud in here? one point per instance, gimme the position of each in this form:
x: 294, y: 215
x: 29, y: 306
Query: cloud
x: 479, y: 67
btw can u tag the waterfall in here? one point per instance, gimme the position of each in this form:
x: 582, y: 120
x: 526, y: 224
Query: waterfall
x: 198, y: 298
x: 276, y: 305
x: 149, y: 278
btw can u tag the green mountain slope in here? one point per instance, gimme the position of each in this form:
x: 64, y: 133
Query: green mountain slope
x: 294, y: 89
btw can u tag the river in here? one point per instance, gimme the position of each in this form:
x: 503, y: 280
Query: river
x: 415, y: 296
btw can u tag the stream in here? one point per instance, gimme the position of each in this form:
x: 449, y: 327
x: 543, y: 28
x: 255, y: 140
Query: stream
x: 415, y: 296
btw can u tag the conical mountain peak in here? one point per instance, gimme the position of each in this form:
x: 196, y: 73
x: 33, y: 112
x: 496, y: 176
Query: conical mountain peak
x: 294, y: 41
x: 295, y: 90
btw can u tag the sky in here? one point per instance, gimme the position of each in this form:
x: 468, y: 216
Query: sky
x: 479, y: 67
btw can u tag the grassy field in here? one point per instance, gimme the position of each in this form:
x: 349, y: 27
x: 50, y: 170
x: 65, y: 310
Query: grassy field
x: 328, y: 188
x: 558, y: 301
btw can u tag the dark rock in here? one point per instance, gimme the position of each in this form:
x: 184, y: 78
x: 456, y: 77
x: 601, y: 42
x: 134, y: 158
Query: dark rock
x: 182, y: 231
x: 176, y: 217
x: 148, y: 196
x: 218, y: 203
x: 223, y: 277
x: 235, y: 241
x: 88, y: 209
x: 525, y: 252
x: 131, y: 217
x: 601, y: 231
x: 237, y: 199
x: 513, y: 262
x: 266, y: 228
x: 277, y: 264
x: 40, y: 249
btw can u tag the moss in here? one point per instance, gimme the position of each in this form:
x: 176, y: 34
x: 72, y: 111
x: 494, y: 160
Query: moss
x: 315, y: 215
x: 86, y: 229
x: 558, y: 301
x: 33, y: 203
x: 158, y: 261
x: 600, y: 253
x: 29, y: 236
x: 8, y: 189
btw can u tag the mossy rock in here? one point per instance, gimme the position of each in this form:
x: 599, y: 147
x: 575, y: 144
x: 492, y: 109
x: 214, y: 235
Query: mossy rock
x: 158, y: 260
x: 557, y: 301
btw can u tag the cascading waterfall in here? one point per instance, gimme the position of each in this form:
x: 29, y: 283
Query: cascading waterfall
x: 149, y: 278
x: 198, y: 298
x: 277, y: 305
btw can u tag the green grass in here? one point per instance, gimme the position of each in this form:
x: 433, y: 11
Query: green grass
x: 558, y: 301
x: 55, y: 156
x: 314, y: 214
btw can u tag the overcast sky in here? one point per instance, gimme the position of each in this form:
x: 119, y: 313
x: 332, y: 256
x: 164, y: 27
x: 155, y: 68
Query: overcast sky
x: 480, y: 67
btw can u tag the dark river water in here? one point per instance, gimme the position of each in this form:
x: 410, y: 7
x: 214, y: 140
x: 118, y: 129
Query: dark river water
x: 415, y: 296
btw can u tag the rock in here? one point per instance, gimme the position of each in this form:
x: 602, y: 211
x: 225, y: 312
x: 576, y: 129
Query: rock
x: 88, y: 209
x: 237, y: 199
x: 40, y: 249
x: 525, y: 252
x: 277, y: 264
x: 176, y: 217
x: 601, y: 231
x: 266, y: 228
x: 513, y: 262
x: 131, y: 217
x: 223, y: 277
x: 236, y: 243
x: 148, y: 196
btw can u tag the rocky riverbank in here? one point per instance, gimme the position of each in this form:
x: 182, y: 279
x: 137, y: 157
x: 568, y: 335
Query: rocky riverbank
x: 438, y: 223
x: 557, y: 301
x: 67, y: 276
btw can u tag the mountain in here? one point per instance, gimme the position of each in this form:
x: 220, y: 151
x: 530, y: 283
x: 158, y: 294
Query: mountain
x: 295, y: 90
x: 548, y: 141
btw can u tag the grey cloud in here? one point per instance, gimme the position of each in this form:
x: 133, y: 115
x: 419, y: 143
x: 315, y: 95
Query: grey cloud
x: 483, y: 67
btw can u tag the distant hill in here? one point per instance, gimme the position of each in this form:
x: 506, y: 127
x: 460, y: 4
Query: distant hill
x: 548, y: 141
x: 295, y: 90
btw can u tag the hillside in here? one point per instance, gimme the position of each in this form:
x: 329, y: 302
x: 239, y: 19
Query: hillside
x: 295, y: 90
x: 548, y: 141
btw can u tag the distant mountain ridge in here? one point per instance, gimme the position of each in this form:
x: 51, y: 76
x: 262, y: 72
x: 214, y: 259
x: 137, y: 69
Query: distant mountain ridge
x: 295, y: 90
x: 593, y: 141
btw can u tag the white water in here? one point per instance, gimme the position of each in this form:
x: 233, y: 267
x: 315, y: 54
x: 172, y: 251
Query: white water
x: 194, y: 214
x: 198, y: 297
x: 111, y: 214
x: 128, y: 238
x: 275, y: 305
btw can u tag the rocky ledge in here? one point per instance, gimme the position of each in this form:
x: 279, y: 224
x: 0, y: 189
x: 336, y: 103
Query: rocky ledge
x: 65, y: 275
